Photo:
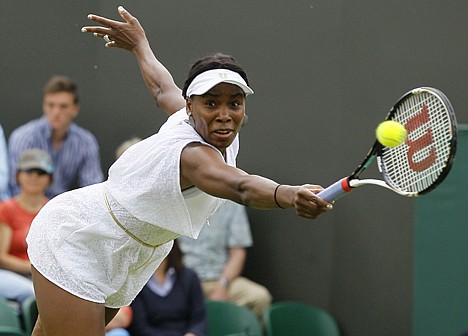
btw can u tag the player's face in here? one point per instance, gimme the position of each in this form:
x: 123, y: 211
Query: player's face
x: 218, y: 114
x: 60, y: 109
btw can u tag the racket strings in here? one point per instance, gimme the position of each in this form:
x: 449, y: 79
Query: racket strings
x: 416, y: 164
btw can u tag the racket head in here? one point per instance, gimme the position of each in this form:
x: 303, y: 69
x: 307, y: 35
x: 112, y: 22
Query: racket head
x: 423, y: 161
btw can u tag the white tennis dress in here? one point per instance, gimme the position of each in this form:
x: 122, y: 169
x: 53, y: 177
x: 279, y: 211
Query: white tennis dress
x: 103, y: 242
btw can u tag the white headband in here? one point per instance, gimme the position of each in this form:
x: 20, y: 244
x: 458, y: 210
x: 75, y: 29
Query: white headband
x: 206, y: 80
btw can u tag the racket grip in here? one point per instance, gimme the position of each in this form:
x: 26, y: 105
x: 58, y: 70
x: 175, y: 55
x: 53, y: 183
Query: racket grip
x: 336, y: 190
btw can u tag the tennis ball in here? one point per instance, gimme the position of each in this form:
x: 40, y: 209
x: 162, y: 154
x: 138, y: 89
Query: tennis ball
x: 390, y: 133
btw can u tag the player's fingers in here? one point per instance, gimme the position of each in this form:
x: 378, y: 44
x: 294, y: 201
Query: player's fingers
x: 103, y: 20
x: 313, y: 198
x: 125, y: 14
x: 106, y: 38
x: 310, y: 208
x: 101, y: 35
x: 310, y: 213
x: 317, y: 202
x: 314, y: 188
x: 322, y: 203
x: 96, y: 30
x: 110, y: 44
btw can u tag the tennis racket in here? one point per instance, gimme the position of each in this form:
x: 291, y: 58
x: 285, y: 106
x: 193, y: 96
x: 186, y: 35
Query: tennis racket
x: 422, y: 162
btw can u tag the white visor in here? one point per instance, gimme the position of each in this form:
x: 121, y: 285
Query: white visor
x: 206, y: 80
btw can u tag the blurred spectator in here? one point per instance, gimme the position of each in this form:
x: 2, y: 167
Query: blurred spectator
x: 123, y: 147
x: 171, y: 303
x: 15, y: 287
x: 74, y: 150
x: 4, y: 188
x: 218, y: 256
x: 34, y: 175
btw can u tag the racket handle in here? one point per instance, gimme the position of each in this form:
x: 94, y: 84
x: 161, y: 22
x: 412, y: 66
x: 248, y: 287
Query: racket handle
x: 336, y: 190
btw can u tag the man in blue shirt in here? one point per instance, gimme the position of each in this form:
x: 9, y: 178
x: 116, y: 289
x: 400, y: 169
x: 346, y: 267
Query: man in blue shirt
x: 218, y: 256
x: 4, y: 190
x: 74, y: 150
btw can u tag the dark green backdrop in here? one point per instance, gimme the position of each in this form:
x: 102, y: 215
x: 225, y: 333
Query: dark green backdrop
x: 324, y: 74
x: 441, y: 253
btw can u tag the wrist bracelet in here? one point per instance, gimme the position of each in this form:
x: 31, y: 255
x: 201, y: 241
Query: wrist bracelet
x: 276, y: 201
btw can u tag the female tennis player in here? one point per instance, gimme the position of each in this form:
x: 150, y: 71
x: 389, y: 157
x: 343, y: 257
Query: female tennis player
x: 93, y: 249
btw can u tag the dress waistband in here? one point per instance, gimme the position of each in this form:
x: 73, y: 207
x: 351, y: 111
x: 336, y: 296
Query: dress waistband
x: 124, y: 228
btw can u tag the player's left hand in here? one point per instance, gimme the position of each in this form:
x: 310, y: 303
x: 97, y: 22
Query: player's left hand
x: 126, y: 35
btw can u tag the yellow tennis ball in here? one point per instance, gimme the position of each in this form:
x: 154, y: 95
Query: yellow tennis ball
x: 390, y: 133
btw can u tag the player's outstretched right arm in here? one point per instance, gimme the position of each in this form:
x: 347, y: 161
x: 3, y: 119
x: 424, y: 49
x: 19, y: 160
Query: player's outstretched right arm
x: 131, y: 36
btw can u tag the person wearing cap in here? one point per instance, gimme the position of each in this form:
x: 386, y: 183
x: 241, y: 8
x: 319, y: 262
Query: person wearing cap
x: 34, y: 175
x: 93, y: 249
x: 74, y: 150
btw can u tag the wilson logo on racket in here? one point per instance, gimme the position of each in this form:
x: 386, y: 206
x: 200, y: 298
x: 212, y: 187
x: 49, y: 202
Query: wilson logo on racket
x: 422, y: 142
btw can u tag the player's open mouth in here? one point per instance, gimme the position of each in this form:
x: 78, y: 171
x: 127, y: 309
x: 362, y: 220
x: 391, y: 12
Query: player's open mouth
x: 223, y: 133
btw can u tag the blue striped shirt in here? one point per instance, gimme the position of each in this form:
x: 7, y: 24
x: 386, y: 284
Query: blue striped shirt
x: 76, y: 162
x: 207, y: 255
x: 4, y: 190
